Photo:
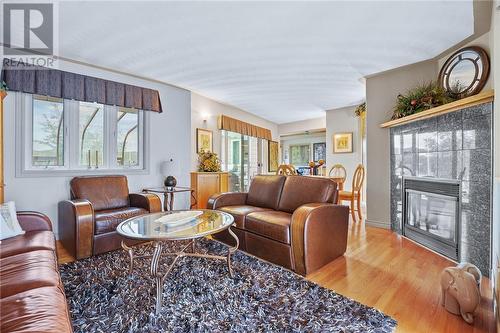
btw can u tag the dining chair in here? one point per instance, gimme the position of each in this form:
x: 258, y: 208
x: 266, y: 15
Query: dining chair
x: 340, y: 174
x: 286, y: 169
x: 355, y: 193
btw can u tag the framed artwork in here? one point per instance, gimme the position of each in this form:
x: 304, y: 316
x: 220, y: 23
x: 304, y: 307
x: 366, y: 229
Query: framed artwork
x: 204, y: 140
x: 342, y: 142
x: 319, y: 151
x: 272, y: 156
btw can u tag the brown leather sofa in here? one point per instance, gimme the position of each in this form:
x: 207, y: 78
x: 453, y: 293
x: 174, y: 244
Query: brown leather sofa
x: 87, y: 222
x: 31, y: 293
x: 287, y: 220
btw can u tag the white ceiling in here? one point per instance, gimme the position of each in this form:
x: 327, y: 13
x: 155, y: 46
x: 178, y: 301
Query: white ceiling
x: 283, y: 61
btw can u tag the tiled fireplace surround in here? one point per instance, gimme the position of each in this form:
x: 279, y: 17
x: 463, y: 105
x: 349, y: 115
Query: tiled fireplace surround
x: 456, y: 145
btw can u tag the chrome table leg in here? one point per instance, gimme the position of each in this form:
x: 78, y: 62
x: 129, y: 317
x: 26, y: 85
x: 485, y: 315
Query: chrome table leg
x: 158, y: 278
x: 130, y: 252
x: 231, y: 250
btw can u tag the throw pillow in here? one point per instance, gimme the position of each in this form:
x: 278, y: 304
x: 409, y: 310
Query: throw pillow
x: 9, y: 225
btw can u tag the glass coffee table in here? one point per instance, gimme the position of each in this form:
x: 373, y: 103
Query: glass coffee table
x: 175, y: 226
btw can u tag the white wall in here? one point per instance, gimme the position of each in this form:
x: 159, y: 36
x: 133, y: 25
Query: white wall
x: 381, y: 93
x: 204, y: 108
x: 168, y: 136
x: 338, y: 121
x: 302, y: 126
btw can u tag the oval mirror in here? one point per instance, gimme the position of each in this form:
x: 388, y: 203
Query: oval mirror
x: 465, y: 72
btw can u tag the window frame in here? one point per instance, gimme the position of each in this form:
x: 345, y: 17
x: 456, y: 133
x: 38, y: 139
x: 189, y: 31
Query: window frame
x: 72, y: 167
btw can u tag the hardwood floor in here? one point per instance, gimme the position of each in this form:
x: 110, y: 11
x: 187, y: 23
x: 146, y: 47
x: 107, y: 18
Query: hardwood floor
x: 400, y: 278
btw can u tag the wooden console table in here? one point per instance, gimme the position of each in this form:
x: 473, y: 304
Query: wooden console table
x: 206, y: 184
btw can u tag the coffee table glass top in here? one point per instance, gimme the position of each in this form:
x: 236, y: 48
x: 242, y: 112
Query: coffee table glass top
x: 150, y: 227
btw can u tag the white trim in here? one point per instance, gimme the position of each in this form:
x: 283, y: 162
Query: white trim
x: 378, y: 224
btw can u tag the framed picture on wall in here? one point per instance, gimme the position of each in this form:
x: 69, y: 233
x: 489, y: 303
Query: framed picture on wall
x: 319, y: 151
x: 342, y: 142
x: 204, y: 140
x: 272, y: 156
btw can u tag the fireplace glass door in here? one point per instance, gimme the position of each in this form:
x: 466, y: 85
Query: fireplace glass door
x: 433, y: 214
x: 432, y: 219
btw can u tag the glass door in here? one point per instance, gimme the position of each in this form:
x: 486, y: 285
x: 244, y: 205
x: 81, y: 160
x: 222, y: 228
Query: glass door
x: 241, y: 158
x: 234, y: 160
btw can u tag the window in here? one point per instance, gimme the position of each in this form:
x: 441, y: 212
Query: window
x: 127, y: 137
x: 71, y: 136
x: 47, y: 132
x: 299, y: 155
x: 91, y: 134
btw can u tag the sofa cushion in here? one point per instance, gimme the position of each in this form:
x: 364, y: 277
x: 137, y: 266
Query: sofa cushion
x: 30, y: 241
x: 108, y: 220
x: 36, y: 310
x: 104, y: 192
x: 265, y: 191
x: 272, y: 224
x: 301, y: 190
x: 240, y: 212
x: 26, y: 271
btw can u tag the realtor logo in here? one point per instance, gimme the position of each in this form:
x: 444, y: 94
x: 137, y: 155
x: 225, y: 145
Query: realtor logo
x: 28, y: 28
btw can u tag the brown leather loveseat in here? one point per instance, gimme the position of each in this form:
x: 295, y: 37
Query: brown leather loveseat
x: 98, y: 204
x: 31, y: 292
x: 287, y: 220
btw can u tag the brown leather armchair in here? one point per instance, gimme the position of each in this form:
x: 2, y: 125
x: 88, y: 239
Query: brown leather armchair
x: 287, y: 220
x: 87, y: 222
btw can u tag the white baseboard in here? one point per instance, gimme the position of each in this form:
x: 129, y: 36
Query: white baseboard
x: 378, y: 224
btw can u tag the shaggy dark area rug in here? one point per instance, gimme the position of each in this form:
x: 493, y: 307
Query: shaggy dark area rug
x: 199, y: 296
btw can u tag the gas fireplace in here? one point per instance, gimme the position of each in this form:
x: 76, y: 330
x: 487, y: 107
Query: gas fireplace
x: 431, y: 213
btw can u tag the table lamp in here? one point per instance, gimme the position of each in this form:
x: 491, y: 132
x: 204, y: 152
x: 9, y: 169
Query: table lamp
x: 167, y: 169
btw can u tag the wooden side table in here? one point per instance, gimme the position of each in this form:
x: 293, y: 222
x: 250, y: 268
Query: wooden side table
x: 168, y: 195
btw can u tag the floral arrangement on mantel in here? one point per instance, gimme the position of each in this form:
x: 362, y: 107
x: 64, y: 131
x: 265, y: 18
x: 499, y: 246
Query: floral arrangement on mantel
x: 421, y: 98
x: 208, y: 162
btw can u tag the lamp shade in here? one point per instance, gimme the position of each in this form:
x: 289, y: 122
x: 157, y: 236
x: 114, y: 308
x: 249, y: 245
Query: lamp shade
x: 168, y: 168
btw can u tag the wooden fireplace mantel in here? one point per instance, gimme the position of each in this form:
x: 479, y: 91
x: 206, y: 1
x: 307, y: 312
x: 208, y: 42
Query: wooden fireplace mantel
x: 483, y: 97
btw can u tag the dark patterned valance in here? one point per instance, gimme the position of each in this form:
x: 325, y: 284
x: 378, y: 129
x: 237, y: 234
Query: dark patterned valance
x: 55, y: 83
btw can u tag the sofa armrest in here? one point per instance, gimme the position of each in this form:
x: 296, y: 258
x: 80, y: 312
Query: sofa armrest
x: 148, y: 201
x: 318, y: 235
x: 226, y: 199
x: 34, y: 221
x: 76, y: 227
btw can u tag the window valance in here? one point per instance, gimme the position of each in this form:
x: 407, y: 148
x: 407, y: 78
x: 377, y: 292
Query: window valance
x: 55, y: 83
x: 238, y: 126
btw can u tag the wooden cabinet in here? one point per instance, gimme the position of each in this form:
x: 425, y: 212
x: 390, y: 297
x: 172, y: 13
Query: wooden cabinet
x: 205, y: 184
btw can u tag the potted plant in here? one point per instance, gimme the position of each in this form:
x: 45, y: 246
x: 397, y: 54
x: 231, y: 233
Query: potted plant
x: 421, y: 98
x: 3, y: 90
